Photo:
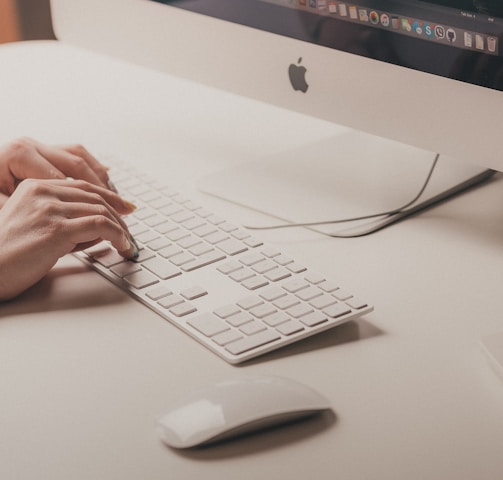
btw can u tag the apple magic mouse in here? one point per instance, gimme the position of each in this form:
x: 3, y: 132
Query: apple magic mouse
x: 235, y: 407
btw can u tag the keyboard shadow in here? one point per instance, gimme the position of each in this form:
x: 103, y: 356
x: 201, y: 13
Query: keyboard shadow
x: 359, y: 329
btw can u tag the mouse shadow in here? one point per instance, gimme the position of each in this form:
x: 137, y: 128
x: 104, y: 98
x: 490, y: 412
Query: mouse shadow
x: 355, y: 330
x: 262, y: 440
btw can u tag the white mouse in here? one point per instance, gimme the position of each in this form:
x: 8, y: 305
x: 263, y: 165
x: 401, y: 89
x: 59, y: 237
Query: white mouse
x: 235, y: 407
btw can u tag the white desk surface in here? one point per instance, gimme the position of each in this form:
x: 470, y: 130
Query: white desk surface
x: 85, y: 370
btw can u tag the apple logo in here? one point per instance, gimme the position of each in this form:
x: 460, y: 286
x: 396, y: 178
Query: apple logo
x: 297, y: 74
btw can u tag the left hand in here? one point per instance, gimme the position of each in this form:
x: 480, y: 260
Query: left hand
x: 26, y: 158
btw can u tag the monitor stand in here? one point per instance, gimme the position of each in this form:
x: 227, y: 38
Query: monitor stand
x: 349, y: 175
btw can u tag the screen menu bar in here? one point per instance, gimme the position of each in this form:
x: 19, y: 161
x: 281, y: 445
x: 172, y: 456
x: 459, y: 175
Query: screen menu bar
x: 427, y: 29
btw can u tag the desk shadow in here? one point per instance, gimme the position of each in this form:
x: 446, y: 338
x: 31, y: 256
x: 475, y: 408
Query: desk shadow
x: 63, y: 288
x: 262, y: 440
x: 353, y: 331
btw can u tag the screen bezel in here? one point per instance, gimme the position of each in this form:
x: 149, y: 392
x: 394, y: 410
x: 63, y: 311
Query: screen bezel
x: 438, y: 114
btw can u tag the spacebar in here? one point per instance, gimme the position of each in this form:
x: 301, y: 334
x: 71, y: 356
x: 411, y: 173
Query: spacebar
x: 253, y: 341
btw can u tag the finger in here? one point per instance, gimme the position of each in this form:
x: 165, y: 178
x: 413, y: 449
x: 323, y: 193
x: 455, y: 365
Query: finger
x: 97, y: 195
x: 92, y: 228
x: 93, y: 162
x: 75, y: 162
x: 24, y: 161
x: 81, y: 209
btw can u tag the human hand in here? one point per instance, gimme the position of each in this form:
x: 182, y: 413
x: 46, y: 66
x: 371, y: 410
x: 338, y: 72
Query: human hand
x: 46, y: 219
x: 26, y: 158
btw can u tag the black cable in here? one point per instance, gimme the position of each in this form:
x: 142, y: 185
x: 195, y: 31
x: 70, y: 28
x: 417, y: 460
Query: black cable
x: 389, y: 213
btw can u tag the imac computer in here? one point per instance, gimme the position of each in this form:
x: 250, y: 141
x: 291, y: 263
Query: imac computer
x: 411, y: 81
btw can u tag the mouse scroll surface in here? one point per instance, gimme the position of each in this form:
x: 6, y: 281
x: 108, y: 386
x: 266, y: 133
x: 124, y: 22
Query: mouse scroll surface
x: 234, y: 407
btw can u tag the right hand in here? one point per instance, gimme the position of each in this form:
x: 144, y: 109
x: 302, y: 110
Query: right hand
x: 44, y: 220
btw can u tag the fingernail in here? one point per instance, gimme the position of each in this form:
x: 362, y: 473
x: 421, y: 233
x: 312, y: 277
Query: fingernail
x: 130, y: 245
x: 129, y: 205
x: 111, y: 186
x: 136, y: 247
x: 126, y: 244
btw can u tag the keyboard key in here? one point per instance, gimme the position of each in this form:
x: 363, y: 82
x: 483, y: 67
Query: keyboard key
x: 158, y: 243
x: 252, y: 328
x: 108, y: 258
x: 232, y: 246
x: 264, y: 266
x: 170, y: 301
x: 342, y: 294
x: 229, y: 267
x: 208, y: 324
x: 158, y: 292
x: 253, y: 242
x: 250, y: 302
x: 193, y: 293
x: 143, y: 255
x: 283, y: 260
x: 263, y: 310
x: 313, y: 318
x: 296, y: 267
x: 255, y: 282
x: 290, y: 327
x: 323, y: 301
x: 227, y: 337
x: 276, y: 319
x: 203, y: 261
x: 141, y: 279
x: 239, y: 319
x: 286, y: 302
x: 181, y: 258
x: 162, y: 268
x: 183, y: 309
x: 309, y: 293
x: 273, y: 294
x: 254, y: 341
x: 337, y: 310
x: 241, y: 274
x: 204, y: 230
x: 293, y: 286
x: 356, y: 303
x: 277, y: 274
x: 188, y: 242
x: 170, y: 251
x: 226, y: 311
x: 251, y: 259
x: 299, y: 310
x: 125, y: 268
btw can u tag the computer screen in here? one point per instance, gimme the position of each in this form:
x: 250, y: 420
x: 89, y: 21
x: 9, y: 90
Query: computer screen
x: 423, y: 73
x: 442, y: 37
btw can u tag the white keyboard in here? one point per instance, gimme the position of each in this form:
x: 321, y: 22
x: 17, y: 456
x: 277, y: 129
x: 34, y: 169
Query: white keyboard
x: 224, y: 287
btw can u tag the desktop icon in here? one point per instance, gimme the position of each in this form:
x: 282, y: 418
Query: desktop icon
x: 491, y: 44
x: 385, y: 20
x: 429, y: 30
x: 440, y: 32
x: 451, y: 35
x: 468, y: 39
x: 406, y: 24
x: 297, y: 75
x: 479, y: 42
